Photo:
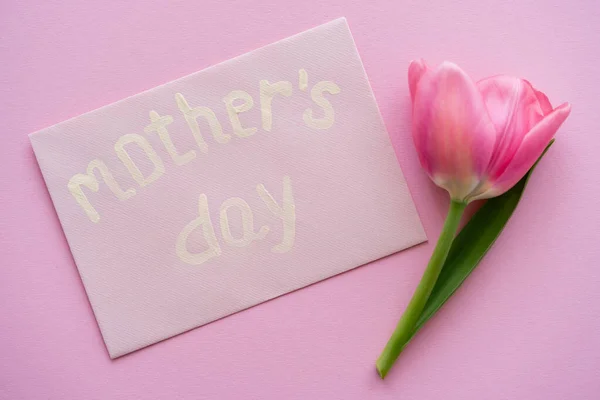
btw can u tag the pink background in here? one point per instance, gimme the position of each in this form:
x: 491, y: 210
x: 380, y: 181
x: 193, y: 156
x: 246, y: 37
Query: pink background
x: 526, y: 325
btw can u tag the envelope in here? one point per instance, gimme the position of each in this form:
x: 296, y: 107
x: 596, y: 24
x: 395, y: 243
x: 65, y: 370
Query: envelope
x: 227, y: 188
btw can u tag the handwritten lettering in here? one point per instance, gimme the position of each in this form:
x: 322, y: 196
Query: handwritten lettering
x: 267, y: 92
x: 159, y: 125
x: 286, y: 213
x: 202, y: 221
x: 191, y: 116
x: 136, y: 174
x: 233, y: 111
x: 236, y: 103
x: 89, y: 180
x: 316, y: 93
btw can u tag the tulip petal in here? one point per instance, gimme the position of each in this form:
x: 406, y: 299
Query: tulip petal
x: 531, y: 148
x: 453, y: 133
x: 542, y: 99
x: 416, y: 69
x: 514, y: 108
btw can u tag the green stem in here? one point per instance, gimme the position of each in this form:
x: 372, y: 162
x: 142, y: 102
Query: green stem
x: 405, y: 327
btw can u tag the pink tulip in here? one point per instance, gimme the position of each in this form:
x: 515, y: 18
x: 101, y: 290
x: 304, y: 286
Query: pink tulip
x: 477, y: 140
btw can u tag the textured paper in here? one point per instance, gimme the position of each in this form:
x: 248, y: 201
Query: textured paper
x: 227, y: 188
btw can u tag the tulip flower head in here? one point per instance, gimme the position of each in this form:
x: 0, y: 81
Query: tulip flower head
x: 477, y: 140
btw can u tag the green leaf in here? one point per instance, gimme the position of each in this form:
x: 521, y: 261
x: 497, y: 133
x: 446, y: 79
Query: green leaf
x: 472, y: 243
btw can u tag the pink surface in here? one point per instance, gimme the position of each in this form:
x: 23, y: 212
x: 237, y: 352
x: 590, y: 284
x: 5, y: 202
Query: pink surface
x: 525, y: 325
